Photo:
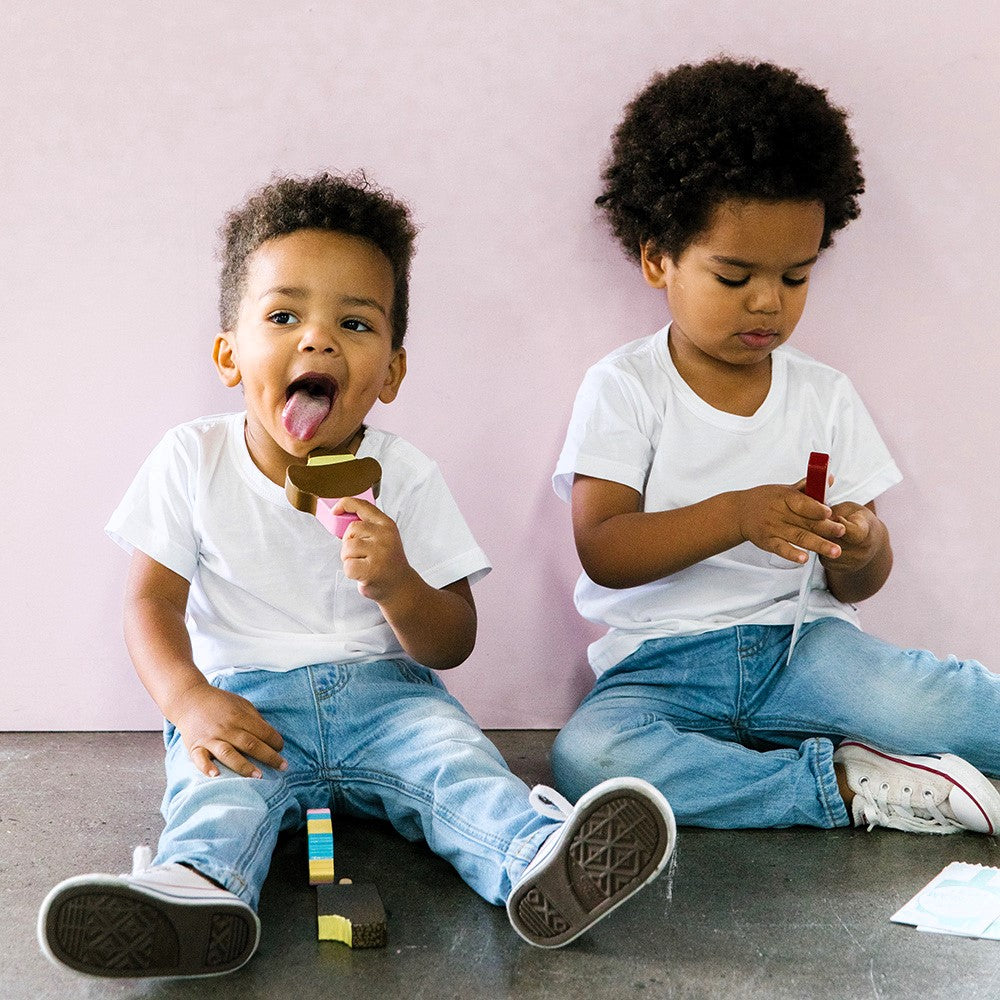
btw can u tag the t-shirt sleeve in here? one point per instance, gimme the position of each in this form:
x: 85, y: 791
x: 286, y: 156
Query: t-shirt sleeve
x: 436, y: 538
x: 610, y: 435
x: 859, y: 460
x: 155, y: 515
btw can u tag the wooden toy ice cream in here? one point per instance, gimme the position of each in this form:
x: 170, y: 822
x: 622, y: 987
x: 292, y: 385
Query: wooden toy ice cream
x: 328, y: 477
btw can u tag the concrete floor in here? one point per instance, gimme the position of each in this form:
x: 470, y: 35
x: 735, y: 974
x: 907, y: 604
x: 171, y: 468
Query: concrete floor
x: 775, y: 915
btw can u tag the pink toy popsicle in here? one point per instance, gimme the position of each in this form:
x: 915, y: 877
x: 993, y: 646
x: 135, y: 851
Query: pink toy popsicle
x: 337, y: 524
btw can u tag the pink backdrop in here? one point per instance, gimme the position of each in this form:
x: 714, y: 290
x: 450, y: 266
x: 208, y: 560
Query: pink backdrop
x: 128, y: 129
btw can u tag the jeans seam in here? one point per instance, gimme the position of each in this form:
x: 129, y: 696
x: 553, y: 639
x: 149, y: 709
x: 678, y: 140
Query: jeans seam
x: 786, y: 723
x: 738, y: 720
x: 318, y: 715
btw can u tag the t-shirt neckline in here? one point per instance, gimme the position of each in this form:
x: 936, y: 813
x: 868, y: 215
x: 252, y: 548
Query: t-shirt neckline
x: 707, y: 412
x: 256, y: 479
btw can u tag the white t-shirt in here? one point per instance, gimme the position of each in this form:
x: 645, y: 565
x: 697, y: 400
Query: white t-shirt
x: 637, y: 422
x: 267, y: 587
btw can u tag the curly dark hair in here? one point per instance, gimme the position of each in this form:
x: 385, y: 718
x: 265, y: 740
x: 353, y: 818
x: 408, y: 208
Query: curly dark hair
x: 702, y: 134
x: 348, y: 204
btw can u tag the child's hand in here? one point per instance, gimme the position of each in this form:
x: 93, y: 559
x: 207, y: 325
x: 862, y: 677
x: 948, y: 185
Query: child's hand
x: 219, y: 724
x: 861, y: 539
x: 783, y: 520
x: 372, y: 551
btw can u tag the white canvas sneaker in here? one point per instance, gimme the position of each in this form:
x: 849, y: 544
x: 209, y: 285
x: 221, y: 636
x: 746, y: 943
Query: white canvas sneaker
x: 617, y: 838
x: 924, y: 793
x: 163, y: 921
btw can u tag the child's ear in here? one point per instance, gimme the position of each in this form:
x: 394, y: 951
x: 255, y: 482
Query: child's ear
x: 654, y: 266
x: 394, y: 378
x: 224, y: 356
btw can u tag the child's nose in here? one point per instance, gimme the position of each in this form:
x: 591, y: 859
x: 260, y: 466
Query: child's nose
x: 318, y: 337
x: 765, y: 297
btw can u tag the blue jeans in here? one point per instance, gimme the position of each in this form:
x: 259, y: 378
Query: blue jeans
x: 736, y: 738
x: 382, y: 740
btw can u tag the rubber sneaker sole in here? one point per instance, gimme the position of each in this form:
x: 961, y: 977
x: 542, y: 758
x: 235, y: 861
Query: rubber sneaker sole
x: 107, y: 928
x: 609, y: 848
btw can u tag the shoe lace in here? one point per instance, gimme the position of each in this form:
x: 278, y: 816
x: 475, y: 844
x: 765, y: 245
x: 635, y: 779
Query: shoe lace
x: 548, y: 802
x: 142, y: 858
x: 872, y: 805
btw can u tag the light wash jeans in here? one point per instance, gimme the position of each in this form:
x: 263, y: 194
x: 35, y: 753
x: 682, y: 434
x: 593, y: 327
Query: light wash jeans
x: 736, y: 738
x: 383, y: 740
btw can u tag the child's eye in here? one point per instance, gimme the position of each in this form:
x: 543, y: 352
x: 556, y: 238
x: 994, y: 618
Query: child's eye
x: 282, y: 317
x: 731, y: 282
x: 357, y: 325
x: 795, y: 282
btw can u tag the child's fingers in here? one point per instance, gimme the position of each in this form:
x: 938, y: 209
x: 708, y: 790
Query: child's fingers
x: 805, y: 506
x: 788, y: 551
x: 259, y: 750
x: 856, y: 530
x: 819, y: 520
x: 810, y: 519
x: 225, y: 753
x: 797, y: 547
x: 832, y: 528
x: 355, y: 505
x: 247, y: 730
x: 260, y: 730
x: 202, y: 760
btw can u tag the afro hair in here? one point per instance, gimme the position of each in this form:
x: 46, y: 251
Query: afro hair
x: 720, y: 130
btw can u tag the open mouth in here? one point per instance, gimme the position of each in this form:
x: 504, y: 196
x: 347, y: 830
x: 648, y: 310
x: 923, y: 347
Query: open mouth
x: 308, y: 401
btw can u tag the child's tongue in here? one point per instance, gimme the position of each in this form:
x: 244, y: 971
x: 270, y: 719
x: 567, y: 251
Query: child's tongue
x: 304, y: 412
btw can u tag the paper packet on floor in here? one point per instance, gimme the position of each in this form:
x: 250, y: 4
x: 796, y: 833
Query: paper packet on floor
x: 964, y: 899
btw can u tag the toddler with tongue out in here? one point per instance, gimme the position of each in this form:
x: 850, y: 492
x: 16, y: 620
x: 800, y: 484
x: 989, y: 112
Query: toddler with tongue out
x: 296, y: 670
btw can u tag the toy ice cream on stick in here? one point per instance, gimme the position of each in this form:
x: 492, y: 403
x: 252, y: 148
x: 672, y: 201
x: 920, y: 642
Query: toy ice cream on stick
x: 816, y: 488
x: 328, y: 477
x: 352, y: 914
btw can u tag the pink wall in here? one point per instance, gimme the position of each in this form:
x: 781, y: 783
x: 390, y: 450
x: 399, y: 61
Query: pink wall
x: 128, y: 129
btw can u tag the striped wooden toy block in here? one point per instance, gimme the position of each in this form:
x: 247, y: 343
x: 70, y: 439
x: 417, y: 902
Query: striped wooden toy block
x: 319, y: 826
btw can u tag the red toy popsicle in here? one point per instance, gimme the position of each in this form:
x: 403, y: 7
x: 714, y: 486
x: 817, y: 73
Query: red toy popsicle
x: 816, y: 476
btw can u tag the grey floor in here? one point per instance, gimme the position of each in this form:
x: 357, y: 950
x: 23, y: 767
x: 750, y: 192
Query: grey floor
x: 781, y: 915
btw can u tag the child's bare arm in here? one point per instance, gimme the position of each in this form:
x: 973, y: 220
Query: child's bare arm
x: 213, y: 723
x: 622, y: 546
x: 436, y: 627
x: 866, y: 554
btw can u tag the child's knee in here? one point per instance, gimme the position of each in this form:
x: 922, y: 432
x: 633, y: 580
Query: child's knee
x: 242, y: 802
x: 576, y: 758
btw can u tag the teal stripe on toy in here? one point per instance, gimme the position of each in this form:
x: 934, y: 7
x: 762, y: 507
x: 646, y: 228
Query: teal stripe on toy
x: 320, y: 846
